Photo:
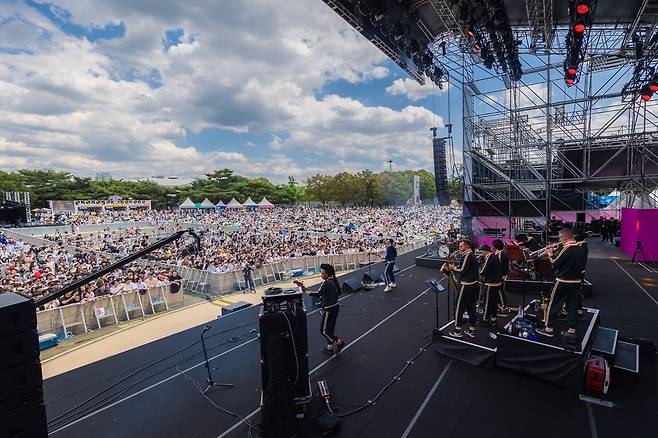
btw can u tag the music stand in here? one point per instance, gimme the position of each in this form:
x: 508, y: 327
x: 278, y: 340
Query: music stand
x: 437, y: 288
x: 211, y: 383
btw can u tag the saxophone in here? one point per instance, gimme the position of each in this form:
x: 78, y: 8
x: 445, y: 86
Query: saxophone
x: 452, y: 275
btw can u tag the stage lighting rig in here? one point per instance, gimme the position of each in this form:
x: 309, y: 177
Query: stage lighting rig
x: 490, y: 35
x: 581, y: 13
x: 644, y: 82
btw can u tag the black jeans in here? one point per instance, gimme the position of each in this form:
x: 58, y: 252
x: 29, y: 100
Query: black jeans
x: 328, y: 324
x: 491, y: 296
x: 467, y: 300
x: 563, y: 293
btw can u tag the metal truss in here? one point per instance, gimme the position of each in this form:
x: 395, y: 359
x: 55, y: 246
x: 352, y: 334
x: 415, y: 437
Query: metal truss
x: 530, y: 139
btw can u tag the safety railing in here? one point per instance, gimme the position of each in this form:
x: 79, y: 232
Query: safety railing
x: 68, y: 320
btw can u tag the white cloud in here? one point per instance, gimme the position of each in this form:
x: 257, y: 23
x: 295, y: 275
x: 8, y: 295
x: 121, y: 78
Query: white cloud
x: 243, y: 66
x: 413, y: 90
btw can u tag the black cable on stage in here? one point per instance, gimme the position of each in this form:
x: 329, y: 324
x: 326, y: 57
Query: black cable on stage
x: 111, y: 397
x: 113, y: 385
x: 381, y: 392
x: 216, y: 406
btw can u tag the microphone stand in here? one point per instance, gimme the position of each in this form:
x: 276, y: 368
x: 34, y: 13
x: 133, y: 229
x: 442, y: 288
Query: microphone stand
x: 209, y: 380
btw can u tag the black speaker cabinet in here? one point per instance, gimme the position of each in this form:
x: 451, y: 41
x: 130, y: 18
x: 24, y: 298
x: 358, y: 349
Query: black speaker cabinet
x: 580, y: 217
x: 22, y: 412
x: 283, y: 338
x: 351, y: 285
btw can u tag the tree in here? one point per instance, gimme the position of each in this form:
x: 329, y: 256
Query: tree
x: 456, y: 188
x: 293, y: 190
x: 317, y: 188
x: 396, y: 187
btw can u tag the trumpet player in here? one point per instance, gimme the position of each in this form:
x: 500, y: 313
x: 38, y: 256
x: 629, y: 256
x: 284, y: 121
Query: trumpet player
x: 568, y: 265
x: 492, y: 278
x: 468, y: 292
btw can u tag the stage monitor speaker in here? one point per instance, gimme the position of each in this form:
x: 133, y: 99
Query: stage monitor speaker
x: 373, y: 277
x: 22, y: 411
x: 351, y: 285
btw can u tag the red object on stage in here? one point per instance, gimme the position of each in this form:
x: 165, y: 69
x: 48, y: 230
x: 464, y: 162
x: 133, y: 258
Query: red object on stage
x: 572, y: 70
x: 579, y: 28
x: 582, y: 9
x: 597, y: 374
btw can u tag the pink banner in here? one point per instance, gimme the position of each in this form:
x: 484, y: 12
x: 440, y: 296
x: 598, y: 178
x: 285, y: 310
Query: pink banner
x: 639, y: 225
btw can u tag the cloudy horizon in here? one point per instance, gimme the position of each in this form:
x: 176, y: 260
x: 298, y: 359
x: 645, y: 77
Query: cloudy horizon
x: 265, y: 88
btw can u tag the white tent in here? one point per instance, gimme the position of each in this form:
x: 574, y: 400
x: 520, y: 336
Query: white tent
x: 264, y: 203
x: 187, y: 203
x: 249, y: 203
x: 207, y: 204
x: 220, y: 204
x: 233, y: 204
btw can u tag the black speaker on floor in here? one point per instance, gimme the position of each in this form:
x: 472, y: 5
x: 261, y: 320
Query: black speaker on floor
x: 22, y: 411
x: 373, y: 277
x: 351, y: 285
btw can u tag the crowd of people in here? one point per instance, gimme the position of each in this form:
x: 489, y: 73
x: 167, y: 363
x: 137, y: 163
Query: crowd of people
x: 36, y: 271
x: 230, y: 241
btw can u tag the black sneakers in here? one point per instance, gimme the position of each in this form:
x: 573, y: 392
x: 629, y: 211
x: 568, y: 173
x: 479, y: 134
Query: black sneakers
x: 456, y: 334
x: 469, y: 333
x: 545, y: 332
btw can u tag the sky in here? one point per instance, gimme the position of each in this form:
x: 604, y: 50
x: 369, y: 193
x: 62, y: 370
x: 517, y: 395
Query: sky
x: 139, y: 88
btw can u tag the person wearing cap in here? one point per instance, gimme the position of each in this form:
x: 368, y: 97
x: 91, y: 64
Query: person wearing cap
x: 492, y: 278
x: 328, y: 300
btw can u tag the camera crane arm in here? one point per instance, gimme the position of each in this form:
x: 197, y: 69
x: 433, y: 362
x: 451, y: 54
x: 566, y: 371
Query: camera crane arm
x: 116, y: 265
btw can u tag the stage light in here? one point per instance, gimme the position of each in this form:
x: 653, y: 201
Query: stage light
x: 572, y: 70
x: 582, y: 9
x: 470, y: 34
x: 653, y: 87
x: 579, y: 28
x: 569, y: 81
x: 476, y: 46
x: 646, y: 96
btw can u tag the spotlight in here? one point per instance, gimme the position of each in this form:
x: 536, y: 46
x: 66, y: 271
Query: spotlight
x: 572, y: 70
x: 579, y: 28
x: 646, y: 96
x: 582, y: 9
x: 470, y: 34
x: 653, y: 87
x: 476, y: 46
x: 569, y: 81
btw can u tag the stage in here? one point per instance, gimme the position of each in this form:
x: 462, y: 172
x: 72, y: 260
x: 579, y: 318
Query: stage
x: 437, y: 396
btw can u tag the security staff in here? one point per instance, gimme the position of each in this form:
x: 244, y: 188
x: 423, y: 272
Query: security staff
x: 468, y: 292
x: 492, y: 279
x: 568, y: 265
x: 503, y: 261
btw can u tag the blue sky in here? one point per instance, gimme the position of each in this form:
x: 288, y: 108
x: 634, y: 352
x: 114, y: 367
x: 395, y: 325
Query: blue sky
x: 139, y: 88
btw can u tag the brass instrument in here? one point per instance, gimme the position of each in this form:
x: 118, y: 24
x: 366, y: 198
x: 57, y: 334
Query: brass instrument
x: 453, y: 257
x: 541, y: 252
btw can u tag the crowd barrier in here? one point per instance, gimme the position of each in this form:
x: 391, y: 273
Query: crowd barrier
x: 209, y: 284
x: 86, y: 228
x: 71, y: 319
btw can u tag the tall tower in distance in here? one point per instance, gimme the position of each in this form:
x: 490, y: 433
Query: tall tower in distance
x: 440, y: 168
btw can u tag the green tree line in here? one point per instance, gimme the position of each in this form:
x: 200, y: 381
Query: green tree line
x: 361, y: 188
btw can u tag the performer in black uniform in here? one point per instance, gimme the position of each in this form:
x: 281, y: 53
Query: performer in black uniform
x: 492, y: 279
x: 328, y: 300
x: 503, y: 259
x: 568, y: 265
x: 468, y: 292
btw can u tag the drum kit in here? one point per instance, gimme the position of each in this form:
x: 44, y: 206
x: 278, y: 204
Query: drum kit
x: 530, y: 265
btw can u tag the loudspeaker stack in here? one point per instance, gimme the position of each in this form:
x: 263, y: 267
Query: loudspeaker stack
x: 22, y: 411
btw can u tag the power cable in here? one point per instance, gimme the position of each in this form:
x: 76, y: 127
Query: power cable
x: 381, y: 392
x: 124, y: 379
x: 218, y: 407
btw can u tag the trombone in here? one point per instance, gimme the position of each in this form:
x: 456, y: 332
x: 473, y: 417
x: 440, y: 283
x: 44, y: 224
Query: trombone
x: 541, y: 252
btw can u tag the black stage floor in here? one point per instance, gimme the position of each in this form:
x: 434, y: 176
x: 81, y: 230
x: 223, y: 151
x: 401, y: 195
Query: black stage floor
x: 436, y: 396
